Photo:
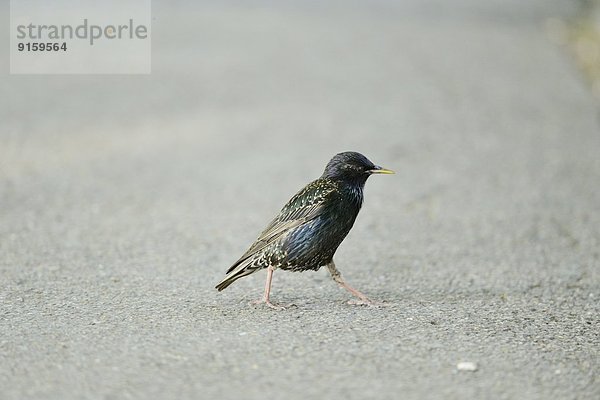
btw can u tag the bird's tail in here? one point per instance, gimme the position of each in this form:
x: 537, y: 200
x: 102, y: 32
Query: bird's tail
x: 228, y: 280
x: 224, y: 283
x: 237, y: 271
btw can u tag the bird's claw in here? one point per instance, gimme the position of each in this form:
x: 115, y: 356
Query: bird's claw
x: 368, y: 302
x: 267, y: 303
x: 275, y: 306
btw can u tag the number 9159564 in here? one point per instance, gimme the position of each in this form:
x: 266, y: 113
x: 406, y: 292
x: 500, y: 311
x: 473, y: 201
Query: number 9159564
x: 42, y: 46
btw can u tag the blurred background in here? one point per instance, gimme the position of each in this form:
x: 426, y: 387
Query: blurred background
x: 124, y: 198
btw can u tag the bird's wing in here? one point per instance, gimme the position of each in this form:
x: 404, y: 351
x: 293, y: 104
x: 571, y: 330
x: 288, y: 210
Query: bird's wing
x: 303, y: 207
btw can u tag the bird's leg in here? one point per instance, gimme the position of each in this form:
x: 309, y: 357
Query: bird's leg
x: 265, y: 298
x: 337, y: 277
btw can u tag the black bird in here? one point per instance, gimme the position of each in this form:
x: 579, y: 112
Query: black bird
x: 311, y: 226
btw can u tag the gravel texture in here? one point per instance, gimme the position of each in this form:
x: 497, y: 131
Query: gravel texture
x: 123, y: 200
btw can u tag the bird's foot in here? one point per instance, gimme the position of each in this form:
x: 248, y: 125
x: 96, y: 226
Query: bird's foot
x: 268, y: 303
x: 368, y: 302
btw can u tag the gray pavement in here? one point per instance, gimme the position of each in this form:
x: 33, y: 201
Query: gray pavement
x: 125, y: 198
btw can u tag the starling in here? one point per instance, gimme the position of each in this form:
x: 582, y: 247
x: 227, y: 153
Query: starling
x: 311, y: 226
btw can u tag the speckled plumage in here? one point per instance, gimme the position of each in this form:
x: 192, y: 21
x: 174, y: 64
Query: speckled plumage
x: 309, y: 228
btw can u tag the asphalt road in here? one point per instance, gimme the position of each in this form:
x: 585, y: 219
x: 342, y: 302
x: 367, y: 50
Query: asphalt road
x: 125, y: 198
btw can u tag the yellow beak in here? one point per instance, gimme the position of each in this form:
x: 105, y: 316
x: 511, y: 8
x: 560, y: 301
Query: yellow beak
x: 380, y: 170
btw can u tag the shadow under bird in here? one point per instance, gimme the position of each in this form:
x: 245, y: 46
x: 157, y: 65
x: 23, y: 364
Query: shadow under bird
x: 309, y: 228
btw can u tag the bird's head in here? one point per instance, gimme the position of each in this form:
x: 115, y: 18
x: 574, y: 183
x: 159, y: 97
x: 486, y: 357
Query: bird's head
x: 352, y: 167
